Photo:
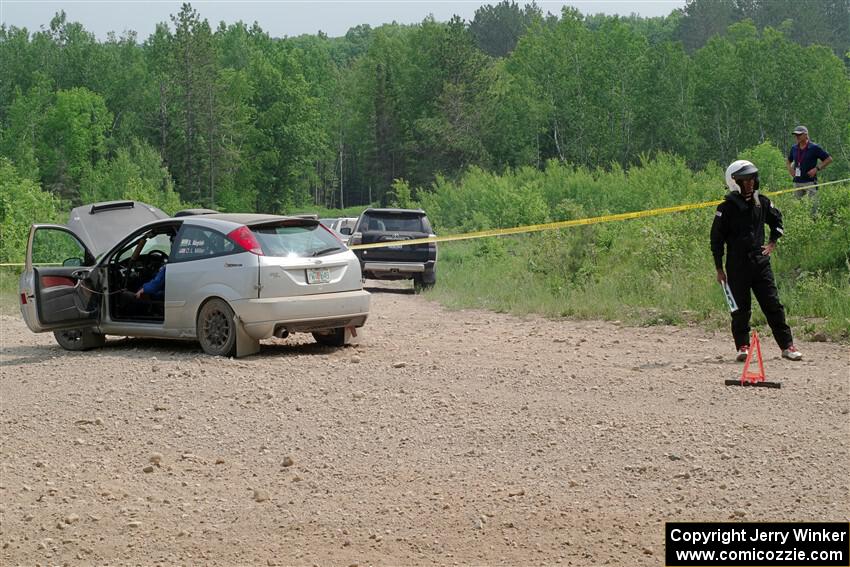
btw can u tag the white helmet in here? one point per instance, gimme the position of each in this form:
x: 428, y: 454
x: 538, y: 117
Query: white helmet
x: 738, y: 169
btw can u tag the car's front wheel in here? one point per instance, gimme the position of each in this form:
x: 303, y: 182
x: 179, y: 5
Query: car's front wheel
x: 217, y: 328
x: 335, y: 337
x: 79, y: 339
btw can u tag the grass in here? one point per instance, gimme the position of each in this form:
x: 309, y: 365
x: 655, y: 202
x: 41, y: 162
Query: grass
x: 522, y: 275
x: 9, y: 290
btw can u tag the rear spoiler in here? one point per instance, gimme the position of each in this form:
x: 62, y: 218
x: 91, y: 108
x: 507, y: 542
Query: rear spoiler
x: 285, y: 221
x: 110, y: 206
x: 193, y: 212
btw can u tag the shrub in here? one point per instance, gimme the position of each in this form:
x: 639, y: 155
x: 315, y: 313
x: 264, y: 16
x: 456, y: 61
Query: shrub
x: 22, y: 202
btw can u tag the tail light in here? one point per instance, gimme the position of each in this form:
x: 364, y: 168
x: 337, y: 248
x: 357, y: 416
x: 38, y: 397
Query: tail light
x: 245, y: 239
x: 432, y: 248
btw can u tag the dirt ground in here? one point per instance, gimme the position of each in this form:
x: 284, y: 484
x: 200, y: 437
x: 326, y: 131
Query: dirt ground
x: 456, y: 438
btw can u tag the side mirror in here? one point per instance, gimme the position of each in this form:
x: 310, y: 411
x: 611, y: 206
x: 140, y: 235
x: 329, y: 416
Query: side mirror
x: 345, y: 230
x: 73, y: 262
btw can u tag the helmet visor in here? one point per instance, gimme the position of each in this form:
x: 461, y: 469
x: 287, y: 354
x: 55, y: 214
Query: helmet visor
x: 747, y: 171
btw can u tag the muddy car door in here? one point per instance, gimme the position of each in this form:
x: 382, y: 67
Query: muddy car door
x: 59, y: 285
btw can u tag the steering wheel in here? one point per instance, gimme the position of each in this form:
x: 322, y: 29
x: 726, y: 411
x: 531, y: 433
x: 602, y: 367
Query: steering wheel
x: 126, y: 271
x: 159, y: 253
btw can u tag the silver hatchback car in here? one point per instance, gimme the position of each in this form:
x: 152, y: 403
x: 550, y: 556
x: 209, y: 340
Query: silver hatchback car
x: 230, y: 279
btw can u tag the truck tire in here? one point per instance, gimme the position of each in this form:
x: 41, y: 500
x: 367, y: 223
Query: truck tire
x: 334, y: 338
x: 421, y: 282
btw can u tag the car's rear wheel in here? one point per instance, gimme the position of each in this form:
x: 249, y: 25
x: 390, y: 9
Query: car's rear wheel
x: 79, y: 339
x: 335, y: 338
x: 217, y: 328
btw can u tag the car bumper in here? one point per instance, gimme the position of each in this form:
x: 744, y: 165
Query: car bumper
x: 394, y: 267
x: 263, y: 318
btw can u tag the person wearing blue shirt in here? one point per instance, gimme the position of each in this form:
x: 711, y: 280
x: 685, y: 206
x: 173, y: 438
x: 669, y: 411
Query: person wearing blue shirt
x: 154, y: 289
x: 803, y: 165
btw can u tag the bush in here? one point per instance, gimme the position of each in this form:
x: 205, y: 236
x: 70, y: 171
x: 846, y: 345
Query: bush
x: 136, y: 174
x: 22, y: 202
x: 654, y: 270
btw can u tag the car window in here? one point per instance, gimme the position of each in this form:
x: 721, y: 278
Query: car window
x: 296, y: 241
x: 195, y: 242
x: 392, y: 223
x: 55, y: 246
x: 339, y: 224
x: 161, y: 242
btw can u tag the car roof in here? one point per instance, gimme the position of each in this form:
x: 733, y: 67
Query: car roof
x: 101, y: 225
x: 395, y: 211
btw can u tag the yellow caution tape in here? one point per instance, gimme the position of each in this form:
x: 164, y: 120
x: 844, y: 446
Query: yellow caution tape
x: 558, y: 225
x: 563, y: 224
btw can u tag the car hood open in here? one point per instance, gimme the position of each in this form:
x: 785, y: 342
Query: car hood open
x: 101, y: 225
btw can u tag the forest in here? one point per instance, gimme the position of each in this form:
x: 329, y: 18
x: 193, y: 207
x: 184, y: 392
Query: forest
x: 223, y: 115
x: 226, y: 116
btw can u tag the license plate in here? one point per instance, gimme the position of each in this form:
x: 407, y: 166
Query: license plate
x: 318, y: 275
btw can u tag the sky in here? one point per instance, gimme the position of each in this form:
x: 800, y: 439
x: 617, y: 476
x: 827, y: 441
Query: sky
x: 282, y: 18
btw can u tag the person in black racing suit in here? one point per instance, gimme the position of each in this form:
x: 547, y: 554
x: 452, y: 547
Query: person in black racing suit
x: 739, y: 227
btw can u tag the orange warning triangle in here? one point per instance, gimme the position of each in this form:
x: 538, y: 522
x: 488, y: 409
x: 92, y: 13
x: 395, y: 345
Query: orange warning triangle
x: 753, y: 377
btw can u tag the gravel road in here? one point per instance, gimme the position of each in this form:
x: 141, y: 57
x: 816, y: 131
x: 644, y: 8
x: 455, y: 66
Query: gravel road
x: 442, y: 437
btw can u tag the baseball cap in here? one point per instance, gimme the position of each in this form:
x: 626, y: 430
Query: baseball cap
x: 800, y: 130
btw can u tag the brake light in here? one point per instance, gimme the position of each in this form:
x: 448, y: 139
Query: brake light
x: 23, y: 299
x: 245, y: 239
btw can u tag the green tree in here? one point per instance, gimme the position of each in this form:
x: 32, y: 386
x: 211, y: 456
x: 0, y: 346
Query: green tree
x: 21, y: 137
x: 21, y: 201
x: 702, y: 20
x: 127, y: 92
x: 742, y: 97
x: 665, y: 119
x: 194, y: 78
x: 450, y: 137
x: 496, y: 29
x: 288, y: 130
x: 72, y: 139
x: 134, y: 173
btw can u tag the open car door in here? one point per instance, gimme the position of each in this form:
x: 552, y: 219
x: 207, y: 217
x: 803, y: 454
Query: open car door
x: 59, y: 287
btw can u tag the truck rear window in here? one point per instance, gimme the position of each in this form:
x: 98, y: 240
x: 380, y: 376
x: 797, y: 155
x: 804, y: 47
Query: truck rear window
x: 296, y: 241
x: 392, y: 223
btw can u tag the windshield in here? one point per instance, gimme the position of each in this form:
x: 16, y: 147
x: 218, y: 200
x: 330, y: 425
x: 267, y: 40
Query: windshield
x: 296, y: 241
x: 392, y: 223
x: 161, y: 242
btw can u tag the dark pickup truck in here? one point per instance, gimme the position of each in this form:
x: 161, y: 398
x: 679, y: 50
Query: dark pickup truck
x: 395, y: 261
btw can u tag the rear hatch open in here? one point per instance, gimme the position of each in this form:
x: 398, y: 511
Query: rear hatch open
x: 391, y: 227
x: 302, y: 257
